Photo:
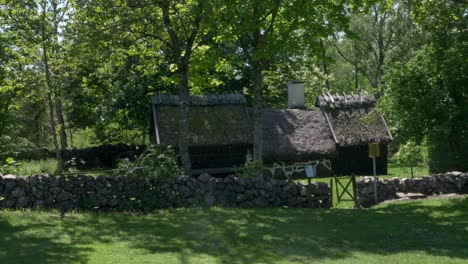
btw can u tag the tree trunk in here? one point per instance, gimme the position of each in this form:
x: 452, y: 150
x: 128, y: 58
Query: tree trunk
x: 325, y: 65
x: 184, y: 119
x: 257, y: 82
x: 53, y: 128
x: 71, y: 137
x: 62, y: 131
x: 356, y: 78
x: 50, y: 102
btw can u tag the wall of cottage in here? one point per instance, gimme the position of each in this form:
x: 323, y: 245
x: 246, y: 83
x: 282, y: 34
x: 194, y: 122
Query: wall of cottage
x: 126, y: 193
x: 387, y: 189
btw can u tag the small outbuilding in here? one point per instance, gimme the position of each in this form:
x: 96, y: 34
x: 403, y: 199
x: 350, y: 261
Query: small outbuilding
x: 333, y: 136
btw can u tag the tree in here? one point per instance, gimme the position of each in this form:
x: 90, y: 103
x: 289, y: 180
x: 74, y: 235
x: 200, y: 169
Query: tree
x: 384, y: 34
x: 266, y: 31
x: 426, y: 97
x: 36, y: 27
x: 410, y: 154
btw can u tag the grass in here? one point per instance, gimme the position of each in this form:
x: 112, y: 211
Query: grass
x: 395, y: 170
x: 425, y: 231
x: 27, y: 168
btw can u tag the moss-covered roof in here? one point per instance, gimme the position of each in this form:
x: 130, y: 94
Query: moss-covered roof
x: 208, y: 125
x: 290, y: 134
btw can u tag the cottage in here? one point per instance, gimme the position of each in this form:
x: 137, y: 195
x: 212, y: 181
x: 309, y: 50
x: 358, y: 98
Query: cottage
x: 332, y: 136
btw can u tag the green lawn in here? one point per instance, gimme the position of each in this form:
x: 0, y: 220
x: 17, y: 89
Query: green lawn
x: 430, y: 231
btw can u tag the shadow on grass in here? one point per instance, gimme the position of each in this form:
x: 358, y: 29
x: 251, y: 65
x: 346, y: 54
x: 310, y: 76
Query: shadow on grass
x: 247, y: 236
x: 22, y: 244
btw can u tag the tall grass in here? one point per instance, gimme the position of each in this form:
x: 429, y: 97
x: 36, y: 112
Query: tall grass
x: 27, y: 168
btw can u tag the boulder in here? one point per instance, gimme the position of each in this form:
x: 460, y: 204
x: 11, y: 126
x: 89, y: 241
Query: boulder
x: 209, y: 199
x: 401, y: 195
x: 22, y: 202
x: 64, y: 196
x: 9, y: 177
x: 17, y: 192
x: 8, y: 203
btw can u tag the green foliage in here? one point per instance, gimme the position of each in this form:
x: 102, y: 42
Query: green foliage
x: 156, y: 165
x: 28, y: 168
x: 251, y: 169
x: 410, y: 154
x: 10, y: 166
x: 425, y: 99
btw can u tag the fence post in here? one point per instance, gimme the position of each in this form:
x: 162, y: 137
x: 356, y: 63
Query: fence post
x: 353, y: 179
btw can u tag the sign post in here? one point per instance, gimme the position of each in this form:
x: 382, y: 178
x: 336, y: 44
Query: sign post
x: 311, y: 172
x: 374, y: 152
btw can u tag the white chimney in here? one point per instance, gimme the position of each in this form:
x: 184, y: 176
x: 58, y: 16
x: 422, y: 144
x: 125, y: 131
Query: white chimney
x: 296, y: 94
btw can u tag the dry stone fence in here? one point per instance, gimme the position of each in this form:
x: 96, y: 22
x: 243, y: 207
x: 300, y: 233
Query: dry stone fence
x: 127, y: 193
x: 122, y: 193
x: 387, y: 189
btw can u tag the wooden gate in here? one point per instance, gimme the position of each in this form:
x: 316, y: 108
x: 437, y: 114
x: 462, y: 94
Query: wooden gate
x: 341, y: 186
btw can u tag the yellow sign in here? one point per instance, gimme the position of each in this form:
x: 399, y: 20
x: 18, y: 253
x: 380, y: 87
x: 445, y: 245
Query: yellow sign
x: 374, y: 150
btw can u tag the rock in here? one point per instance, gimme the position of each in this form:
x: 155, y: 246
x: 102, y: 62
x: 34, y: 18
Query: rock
x: 209, y: 199
x: 37, y: 192
x: 21, y: 182
x: 7, y: 203
x: 9, y: 185
x: 204, y: 177
x: 17, y: 192
x: 260, y: 202
x: 401, y: 195
x: 55, y: 190
x: 39, y: 204
x: 113, y: 202
x: 64, y: 196
x: 9, y: 177
x: 22, y: 202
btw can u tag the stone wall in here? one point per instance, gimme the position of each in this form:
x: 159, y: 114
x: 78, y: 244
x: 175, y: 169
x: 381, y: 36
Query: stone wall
x: 126, y: 193
x: 450, y: 182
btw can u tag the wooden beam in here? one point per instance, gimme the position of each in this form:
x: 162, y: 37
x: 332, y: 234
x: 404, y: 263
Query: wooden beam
x: 386, y: 127
x: 156, y: 130
x: 330, y: 126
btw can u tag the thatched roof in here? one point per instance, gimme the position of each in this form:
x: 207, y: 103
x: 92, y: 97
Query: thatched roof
x: 208, y: 125
x: 211, y: 99
x: 296, y: 135
x: 353, y: 119
x: 330, y: 101
x: 289, y: 135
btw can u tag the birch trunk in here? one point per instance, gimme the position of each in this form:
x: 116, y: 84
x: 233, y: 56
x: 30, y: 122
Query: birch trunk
x: 184, y: 119
x: 257, y: 81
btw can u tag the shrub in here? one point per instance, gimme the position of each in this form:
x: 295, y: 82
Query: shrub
x: 10, y: 166
x: 156, y: 165
x: 250, y: 169
x: 411, y: 154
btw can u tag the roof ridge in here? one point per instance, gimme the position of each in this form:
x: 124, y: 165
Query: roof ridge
x: 201, y: 100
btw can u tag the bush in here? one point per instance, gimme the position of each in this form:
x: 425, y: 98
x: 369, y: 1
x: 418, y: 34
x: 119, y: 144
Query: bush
x: 250, y: 169
x: 10, y: 166
x: 412, y: 155
x: 156, y: 164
